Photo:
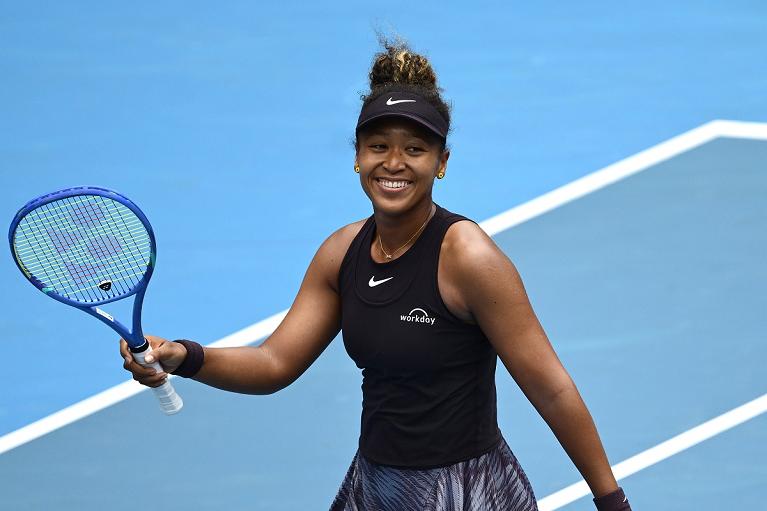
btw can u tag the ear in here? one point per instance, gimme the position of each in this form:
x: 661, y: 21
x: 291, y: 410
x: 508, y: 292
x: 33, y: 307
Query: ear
x: 442, y: 164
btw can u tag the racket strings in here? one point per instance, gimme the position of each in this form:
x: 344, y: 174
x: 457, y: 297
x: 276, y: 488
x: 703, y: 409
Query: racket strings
x: 62, y: 274
x: 95, y: 251
x: 88, y: 216
x: 73, y: 245
x: 80, y: 266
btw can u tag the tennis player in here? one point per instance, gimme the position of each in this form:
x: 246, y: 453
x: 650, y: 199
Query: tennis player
x: 427, y: 303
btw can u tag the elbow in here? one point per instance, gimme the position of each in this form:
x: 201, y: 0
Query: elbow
x: 263, y: 375
x: 279, y: 382
x: 251, y: 387
x: 263, y: 391
x: 561, y: 396
x: 279, y: 376
x: 273, y: 387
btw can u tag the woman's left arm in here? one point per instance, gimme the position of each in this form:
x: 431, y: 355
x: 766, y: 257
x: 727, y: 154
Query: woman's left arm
x: 492, y: 292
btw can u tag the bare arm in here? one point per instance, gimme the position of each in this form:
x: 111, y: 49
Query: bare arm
x: 492, y: 293
x: 312, y: 322
x: 308, y: 328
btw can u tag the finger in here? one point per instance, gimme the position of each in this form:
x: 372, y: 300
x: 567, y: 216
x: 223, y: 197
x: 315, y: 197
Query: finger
x: 155, y: 380
x: 151, y: 378
x: 162, y: 352
x: 124, y: 348
x: 137, y: 369
x: 156, y: 354
x: 131, y: 365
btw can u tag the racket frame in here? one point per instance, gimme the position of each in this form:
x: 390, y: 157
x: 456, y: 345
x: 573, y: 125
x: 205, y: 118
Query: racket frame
x: 135, y: 337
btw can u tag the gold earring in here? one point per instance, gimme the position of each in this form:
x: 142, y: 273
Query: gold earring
x: 440, y: 175
x: 357, y: 167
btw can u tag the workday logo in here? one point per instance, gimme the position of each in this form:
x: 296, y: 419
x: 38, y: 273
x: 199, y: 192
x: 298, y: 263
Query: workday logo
x: 417, y: 316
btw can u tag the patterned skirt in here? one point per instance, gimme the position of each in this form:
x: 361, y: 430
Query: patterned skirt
x: 493, y: 481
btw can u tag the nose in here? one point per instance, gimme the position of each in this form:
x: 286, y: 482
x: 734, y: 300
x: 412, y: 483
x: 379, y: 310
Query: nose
x: 394, y: 161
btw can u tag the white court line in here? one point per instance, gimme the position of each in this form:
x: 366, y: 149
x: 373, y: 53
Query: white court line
x: 661, y: 451
x: 622, y: 169
x: 123, y: 391
x: 492, y: 226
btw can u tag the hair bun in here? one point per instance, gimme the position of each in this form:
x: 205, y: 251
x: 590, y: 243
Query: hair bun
x: 398, y: 64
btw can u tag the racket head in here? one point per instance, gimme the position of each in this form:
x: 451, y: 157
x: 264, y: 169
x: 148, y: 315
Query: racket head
x: 84, y: 246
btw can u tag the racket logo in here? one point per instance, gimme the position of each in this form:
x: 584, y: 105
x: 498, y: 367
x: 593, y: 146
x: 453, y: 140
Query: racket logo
x: 104, y: 314
x: 105, y: 285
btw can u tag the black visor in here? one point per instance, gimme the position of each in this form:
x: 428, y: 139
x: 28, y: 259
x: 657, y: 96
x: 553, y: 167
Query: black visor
x: 404, y: 104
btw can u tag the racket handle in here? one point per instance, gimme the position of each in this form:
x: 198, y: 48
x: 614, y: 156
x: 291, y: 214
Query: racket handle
x: 170, y: 401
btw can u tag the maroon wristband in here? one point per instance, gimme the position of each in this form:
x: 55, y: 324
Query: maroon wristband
x: 195, y: 356
x: 614, y: 501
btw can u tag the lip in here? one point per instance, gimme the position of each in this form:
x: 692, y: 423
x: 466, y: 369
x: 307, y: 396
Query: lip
x: 392, y: 191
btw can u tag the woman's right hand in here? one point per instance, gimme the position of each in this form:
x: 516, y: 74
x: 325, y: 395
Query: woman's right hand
x: 169, y: 354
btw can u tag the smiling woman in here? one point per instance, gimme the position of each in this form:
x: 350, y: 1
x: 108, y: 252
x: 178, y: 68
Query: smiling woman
x: 401, y: 143
x: 429, y: 437
x: 427, y: 304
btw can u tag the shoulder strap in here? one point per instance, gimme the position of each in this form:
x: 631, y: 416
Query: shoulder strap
x: 346, y: 271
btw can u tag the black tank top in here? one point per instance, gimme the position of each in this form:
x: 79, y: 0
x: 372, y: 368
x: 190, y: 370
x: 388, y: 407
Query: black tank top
x: 428, y: 387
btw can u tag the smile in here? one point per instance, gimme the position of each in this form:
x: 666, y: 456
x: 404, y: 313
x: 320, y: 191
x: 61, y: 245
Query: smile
x: 391, y: 184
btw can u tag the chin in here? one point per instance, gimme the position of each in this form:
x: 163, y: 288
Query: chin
x: 397, y: 206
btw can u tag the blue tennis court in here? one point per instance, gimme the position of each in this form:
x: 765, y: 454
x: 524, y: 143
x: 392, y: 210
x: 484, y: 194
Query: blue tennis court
x: 587, y: 143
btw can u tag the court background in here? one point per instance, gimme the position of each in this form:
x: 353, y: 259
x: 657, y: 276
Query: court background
x: 231, y: 127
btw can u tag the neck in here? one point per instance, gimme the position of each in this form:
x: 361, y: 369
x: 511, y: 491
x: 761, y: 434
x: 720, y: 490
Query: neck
x: 396, y: 230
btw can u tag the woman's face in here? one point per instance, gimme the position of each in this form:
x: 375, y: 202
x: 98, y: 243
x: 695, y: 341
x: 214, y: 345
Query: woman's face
x: 398, y: 162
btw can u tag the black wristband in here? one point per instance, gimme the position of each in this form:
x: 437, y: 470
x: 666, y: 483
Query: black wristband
x: 195, y: 356
x: 614, y: 501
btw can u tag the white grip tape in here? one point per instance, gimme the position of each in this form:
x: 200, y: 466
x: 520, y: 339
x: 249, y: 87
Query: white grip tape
x: 170, y: 401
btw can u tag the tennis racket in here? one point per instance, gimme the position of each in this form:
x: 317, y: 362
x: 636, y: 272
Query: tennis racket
x: 86, y: 247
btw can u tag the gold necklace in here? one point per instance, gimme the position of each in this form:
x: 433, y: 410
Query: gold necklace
x: 389, y: 256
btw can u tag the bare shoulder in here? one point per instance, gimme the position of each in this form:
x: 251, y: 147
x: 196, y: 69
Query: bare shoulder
x: 475, y: 268
x: 332, y: 251
x: 349, y: 231
x: 467, y: 246
x: 338, y: 242
x: 469, y: 259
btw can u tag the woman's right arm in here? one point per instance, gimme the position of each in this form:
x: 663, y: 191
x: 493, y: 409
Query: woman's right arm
x: 310, y: 325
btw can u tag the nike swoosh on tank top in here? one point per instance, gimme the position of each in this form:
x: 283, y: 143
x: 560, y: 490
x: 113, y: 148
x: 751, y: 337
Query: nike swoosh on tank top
x: 428, y: 388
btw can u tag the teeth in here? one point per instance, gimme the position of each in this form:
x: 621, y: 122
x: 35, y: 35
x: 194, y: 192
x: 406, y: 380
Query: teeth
x: 393, y: 184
